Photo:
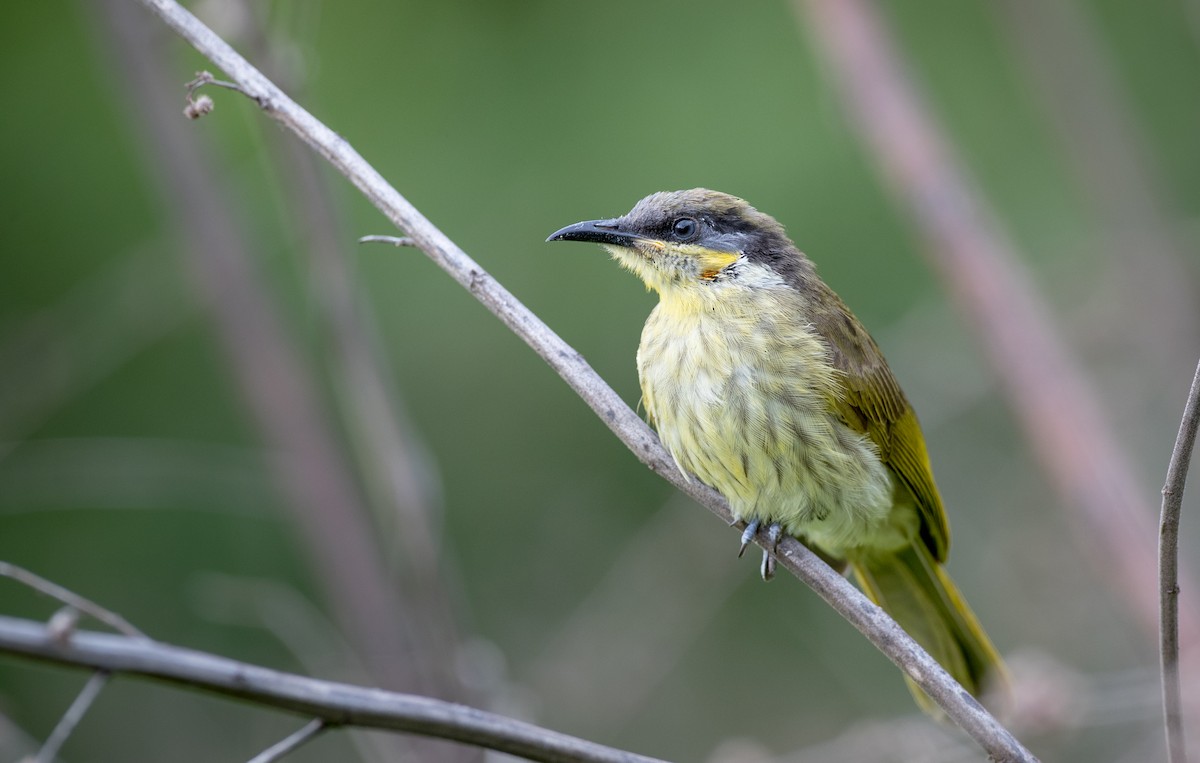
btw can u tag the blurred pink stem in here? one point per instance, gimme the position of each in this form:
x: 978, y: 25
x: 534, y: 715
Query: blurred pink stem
x: 1058, y: 407
x: 278, y: 387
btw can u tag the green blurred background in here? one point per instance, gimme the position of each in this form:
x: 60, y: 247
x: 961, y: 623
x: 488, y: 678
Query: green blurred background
x: 547, y: 574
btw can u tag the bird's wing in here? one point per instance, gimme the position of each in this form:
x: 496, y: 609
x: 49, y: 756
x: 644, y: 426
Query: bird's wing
x: 873, y: 404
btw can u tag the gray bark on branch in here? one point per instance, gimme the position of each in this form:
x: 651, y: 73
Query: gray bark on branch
x: 335, y: 703
x: 1168, y: 573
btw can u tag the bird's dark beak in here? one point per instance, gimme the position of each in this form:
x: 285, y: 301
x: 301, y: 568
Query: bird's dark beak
x: 596, y: 231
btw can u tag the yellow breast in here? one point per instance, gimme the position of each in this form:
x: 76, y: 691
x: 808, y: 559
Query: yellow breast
x: 740, y: 392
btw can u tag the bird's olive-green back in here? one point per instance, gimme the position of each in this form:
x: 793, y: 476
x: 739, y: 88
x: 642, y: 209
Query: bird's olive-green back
x: 874, y: 404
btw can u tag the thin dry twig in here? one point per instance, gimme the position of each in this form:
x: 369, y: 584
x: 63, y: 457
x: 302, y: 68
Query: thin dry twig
x: 880, y: 629
x: 335, y: 703
x: 1168, y: 572
x: 396, y: 241
x: 71, y: 599
x: 206, y: 78
x: 291, y: 741
x: 73, y: 716
x: 198, y: 107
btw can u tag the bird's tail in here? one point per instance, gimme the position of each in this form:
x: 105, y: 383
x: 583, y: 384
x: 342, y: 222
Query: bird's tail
x: 914, y: 589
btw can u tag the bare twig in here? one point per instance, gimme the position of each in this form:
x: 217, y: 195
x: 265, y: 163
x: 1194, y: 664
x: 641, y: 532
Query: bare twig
x: 291, y: 742
x: 74, y: 714
x: 880, y: 629
x: 335, y: 703
x: 1168, y: 572
x: 70, y: 598
x: 206, y: 78
x: 396, y: 241
x: 198, y: 107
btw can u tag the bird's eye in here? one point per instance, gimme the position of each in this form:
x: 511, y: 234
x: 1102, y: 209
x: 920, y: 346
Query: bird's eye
x: 685, y: 229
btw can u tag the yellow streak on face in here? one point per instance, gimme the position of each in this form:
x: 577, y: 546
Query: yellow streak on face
x: 711, y: 261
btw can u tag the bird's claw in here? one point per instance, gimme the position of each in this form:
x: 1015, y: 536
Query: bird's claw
x: 748, y: 535
x: 767, y: 570
x: 774, y: 533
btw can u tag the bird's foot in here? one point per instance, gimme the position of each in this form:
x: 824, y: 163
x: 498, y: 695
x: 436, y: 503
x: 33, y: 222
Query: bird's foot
x: 748, y: 535
x: 774, y: 533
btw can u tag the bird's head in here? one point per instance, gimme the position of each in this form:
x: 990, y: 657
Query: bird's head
x: 680, y: 241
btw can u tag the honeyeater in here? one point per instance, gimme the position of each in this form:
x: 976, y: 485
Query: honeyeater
x: 762, y: 384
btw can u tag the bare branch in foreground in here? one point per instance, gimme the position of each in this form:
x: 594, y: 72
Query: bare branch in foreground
x: 291, y: 742
x: 334, y: 703
x: 1168, y: 572
x: 880, y: 629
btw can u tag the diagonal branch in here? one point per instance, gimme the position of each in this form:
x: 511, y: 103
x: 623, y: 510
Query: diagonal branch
x: 880, y: 629
x: 335, y: 703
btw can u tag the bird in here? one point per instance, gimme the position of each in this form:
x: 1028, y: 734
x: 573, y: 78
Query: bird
x: 762, y: 384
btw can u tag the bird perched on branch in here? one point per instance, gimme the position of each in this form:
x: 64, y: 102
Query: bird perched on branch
x: 762, y: 384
